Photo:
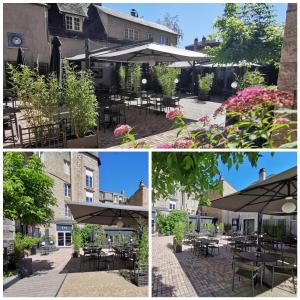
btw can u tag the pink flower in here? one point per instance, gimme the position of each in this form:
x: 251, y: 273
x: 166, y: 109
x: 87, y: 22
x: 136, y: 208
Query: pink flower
x: 172, y: 114
x: 184, y: 144
x: 281, y: 120
x: 204, y: 119
x: 165, y: 146
x: 121, y: 130
x: 245, y: 100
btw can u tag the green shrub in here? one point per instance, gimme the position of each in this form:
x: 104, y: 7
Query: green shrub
x: 221, y: 227
x: 143, y: 248
x: 39, y: 95
x: 166, y: 223
x: 205, y: 83
x: 166, y: 77
x: 134, y: 75
x: 179, y: 229
x: 122, y: 77
x: 250, y: 78
x: 80, y: 99
x: 76, y: 238
x: 22, y: 243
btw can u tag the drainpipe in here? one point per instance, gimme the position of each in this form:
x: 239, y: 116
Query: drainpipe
x: 262, y: 177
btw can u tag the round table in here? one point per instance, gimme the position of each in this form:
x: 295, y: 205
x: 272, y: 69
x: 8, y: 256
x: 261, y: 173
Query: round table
x: 262, y: 258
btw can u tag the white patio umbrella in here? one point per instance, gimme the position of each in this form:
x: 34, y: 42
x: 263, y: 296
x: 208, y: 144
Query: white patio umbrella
x: 143, y: 53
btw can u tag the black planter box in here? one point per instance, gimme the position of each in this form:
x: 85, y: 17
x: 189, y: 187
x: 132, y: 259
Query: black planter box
x: 141, y: 275
x: 24, y: 267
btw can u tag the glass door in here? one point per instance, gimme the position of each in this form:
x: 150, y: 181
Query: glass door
x: 64, y: 239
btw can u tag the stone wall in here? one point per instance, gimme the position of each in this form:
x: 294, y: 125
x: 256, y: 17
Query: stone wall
x: 287, y: 79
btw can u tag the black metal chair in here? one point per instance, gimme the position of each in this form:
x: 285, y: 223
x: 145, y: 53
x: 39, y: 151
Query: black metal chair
x: 251, y: 272
x: 286, y: 266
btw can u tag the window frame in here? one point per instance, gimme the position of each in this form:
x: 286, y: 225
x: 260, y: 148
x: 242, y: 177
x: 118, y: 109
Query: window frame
x: 70, y: 20
x: 89, y: 178
x: 67, y: 188
x: 66, y: 162
x: 89, y: 197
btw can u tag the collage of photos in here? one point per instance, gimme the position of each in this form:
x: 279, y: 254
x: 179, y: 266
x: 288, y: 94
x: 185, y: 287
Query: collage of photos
x: 149, y: 149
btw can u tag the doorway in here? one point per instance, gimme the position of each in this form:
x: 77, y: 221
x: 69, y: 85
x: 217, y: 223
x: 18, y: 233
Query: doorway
x: 64, y: 239
x: 248, y: 226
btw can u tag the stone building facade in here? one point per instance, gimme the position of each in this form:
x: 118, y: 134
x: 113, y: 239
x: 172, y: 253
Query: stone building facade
x: 140, y: 197
x: 32, y: 27
x: 76, y: 178
x: 244, y: 222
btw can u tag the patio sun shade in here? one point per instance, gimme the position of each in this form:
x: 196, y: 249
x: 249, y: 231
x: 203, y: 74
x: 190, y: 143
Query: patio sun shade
x: 265, y: 197
x: 145, y: 53
x: 107, y: 214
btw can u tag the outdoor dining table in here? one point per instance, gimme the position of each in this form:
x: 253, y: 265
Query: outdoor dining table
x: 257, y: 257
x: 206, y: 242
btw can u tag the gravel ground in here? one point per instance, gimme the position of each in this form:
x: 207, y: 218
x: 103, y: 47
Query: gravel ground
x: 100, y: 284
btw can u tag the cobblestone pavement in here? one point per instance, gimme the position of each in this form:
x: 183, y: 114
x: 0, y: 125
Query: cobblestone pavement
x: 184, y: 274
x: 153, y: 127
x: 49, y: 272
x: 160, y: 130
x: 58, y: 274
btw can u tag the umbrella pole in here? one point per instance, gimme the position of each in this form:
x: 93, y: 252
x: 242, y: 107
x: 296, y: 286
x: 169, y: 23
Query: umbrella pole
x: 259, y: 231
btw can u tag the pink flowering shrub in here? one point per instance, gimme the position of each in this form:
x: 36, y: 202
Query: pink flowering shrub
x: 121, y: 130
x: 255, y: 123
x: 176, y: 113
x: 245, y: 100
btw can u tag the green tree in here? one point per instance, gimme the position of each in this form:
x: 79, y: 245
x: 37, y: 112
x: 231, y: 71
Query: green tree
x: 193, y: 172
x: 27, y: 190
x: 166, y: 223
x: 247, y: 32
x: 172, y: 22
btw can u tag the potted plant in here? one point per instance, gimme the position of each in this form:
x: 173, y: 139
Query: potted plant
x: 141, y: 265
x: 81, y: 103
x: 76, y: 237
x: 23, y: 244
x: 204, y: 85
x: 167, y: 79
x: 178, y: 236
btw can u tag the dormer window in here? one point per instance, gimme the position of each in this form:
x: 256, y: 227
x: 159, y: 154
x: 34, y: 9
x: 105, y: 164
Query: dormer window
x: 73, y: 23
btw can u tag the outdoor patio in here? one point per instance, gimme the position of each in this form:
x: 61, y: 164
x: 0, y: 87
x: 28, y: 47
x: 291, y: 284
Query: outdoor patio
x: 59, y: 274
x: 188, y: 275
x: 150, y: 126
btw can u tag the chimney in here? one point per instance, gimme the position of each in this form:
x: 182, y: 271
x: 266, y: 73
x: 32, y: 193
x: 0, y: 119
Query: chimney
x: 134, y: 13
x: 142, y: 185
x: 195, y: 43
x: 203, y: 40
x: 221, y: 179
x: 262, y: 174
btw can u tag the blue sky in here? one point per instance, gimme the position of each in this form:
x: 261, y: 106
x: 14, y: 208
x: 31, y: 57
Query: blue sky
x: 247, y: 174
x: 195, y: 19
x: 123, y: 171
